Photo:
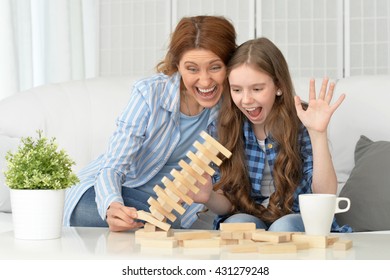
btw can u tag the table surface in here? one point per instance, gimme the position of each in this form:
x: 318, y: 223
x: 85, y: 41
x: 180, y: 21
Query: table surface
x: 99, y: 243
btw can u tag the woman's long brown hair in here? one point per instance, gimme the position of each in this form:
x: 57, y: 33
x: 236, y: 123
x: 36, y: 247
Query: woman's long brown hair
x: 282, y: 124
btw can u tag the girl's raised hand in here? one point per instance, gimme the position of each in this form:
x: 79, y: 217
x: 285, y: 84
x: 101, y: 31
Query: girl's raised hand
x: 317, y: 116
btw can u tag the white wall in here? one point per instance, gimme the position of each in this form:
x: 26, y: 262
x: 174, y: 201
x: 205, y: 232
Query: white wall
x: 318, y: 37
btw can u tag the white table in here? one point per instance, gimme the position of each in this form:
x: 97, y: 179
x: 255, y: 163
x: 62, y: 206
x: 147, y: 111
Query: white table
x: 98, y: 243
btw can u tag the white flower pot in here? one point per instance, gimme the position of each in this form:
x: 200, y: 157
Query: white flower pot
x: 37, y: 214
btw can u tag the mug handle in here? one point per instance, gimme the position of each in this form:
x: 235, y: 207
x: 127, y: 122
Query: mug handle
x: 342, y: 210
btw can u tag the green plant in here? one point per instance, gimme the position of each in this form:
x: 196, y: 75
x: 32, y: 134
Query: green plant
x: 38, y: 164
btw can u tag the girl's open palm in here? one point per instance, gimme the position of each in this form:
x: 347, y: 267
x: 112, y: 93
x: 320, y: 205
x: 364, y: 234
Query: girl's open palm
x: 317, y: 116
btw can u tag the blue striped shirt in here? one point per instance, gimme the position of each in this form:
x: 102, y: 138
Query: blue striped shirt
x: 147, y: 133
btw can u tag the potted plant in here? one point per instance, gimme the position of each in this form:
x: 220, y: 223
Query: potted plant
x: 38, y: 174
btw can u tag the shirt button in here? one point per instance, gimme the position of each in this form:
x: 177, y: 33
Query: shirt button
x: 269, y: 146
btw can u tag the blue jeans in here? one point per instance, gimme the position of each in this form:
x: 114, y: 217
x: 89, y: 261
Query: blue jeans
x: 86, y: 214
x: 287, y: 223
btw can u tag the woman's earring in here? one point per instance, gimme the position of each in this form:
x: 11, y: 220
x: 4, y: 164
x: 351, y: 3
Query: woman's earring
x: 278, y: 92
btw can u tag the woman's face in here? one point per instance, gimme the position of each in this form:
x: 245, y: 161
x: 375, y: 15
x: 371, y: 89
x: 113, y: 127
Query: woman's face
x: 203, y: 74
x: 254, y: 93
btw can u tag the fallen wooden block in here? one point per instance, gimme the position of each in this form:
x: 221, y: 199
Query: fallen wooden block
x: 274, y: 237
x: 191, y: 235
x: 158, y: 234
x: 342, y: 245
x: 145, y: 216
x: 315, y: 241
x: 244, y: 248
x: 159, y: 243
x: 237, y: 226
x: 281, y: 248
x: 201, y: 243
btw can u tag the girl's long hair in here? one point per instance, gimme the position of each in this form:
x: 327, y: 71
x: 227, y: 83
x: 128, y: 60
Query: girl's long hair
x: 283, y: 126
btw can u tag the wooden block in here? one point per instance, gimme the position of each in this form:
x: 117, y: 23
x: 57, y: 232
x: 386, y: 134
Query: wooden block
x: 201, y: 243
x: 197, y: 161
x: 274, y: 237
x: 342, y: 245
x: 155, y: 213
x: 158, y: 234
x: 315, y: 241
x: 302, y: 245
x: 244, y: 248
x: 216, y: 144
x: 149, y: 227
x: 172, y: 187
x: 142, y: 215
x: 211, y: 148
x: 171, y: 194
x: 158, y: 207
x: 282, y: 248
x: 164, y: 204
x: 160, y: 192
x: 202, y: 149
x: 178, y: 176
x: 186, y: 235
x: 229, y: 242
x: 237, y: 226
x: 237, y: 235
x: 159, y: 243
x: 246, y: 241
x: 188, y: 180
x: 331, y: 239
x: 192, y: 172
x: 226, y: 235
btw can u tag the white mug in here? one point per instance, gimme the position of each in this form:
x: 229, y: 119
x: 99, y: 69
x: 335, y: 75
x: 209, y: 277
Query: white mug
x: 317, y: 211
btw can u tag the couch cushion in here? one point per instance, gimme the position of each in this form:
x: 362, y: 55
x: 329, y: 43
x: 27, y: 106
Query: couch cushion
x: 368, y: 187
x: 363, y: 112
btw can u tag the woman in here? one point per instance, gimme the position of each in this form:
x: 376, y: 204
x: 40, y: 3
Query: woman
x: 164, y: 116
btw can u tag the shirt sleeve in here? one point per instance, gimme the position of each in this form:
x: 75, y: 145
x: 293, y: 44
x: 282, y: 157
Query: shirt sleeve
x: 307, y: 167
x: 123, y: 147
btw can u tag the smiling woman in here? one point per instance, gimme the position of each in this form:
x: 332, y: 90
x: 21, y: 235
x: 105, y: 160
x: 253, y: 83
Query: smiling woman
x: 164, y: 116
x: 203, y: 74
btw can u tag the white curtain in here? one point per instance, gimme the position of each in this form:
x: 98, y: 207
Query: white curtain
x: 43, y: 41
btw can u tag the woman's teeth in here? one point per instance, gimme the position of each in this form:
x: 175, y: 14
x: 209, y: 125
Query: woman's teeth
x: 206, y: 91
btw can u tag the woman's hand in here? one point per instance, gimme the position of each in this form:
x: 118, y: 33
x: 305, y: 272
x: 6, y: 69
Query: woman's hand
x: 122, y: 218
x: 317, y: 116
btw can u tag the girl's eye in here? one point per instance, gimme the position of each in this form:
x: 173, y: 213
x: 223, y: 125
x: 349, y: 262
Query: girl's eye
x: 257, y: 89
x: 235, y: 90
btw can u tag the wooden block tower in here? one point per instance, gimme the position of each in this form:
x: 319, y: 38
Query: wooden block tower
x: 176, y: 190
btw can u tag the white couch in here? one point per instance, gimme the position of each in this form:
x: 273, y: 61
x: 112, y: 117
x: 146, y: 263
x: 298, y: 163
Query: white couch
x: 81, y: 115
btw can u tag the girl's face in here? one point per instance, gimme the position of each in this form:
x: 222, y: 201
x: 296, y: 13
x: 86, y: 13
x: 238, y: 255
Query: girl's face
x: 254, y: 93
x: 203, y: 74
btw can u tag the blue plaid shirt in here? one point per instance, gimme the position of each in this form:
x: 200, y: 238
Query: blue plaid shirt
x: 256, y: 162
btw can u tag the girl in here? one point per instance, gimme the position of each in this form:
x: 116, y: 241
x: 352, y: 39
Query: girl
x: 279, y: 146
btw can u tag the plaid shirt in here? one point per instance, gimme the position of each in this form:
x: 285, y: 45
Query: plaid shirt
x: 256, y: 163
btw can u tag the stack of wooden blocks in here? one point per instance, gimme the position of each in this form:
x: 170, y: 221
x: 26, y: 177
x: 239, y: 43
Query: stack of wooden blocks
x: 176, y: 191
